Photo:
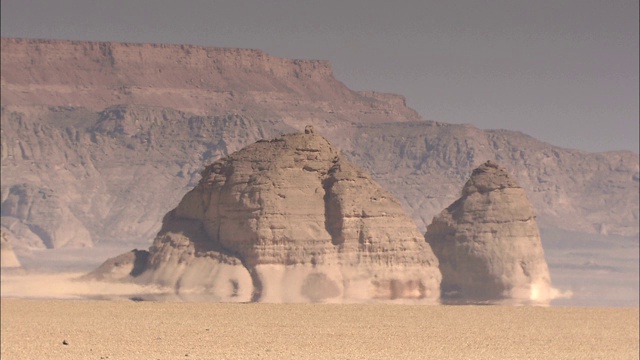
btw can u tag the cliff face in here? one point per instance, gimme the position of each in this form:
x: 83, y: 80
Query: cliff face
x: 187, y: 78
x: 287, y: 220
x: 106, y: 127
x: 98, y: 175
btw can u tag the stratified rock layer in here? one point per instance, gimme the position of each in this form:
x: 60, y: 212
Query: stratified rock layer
x: 289, y: 220
x: 488, y: 243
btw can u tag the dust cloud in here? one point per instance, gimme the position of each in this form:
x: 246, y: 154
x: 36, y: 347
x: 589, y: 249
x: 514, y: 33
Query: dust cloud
x: 66, y: 286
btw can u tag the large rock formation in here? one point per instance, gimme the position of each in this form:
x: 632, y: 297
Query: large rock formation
x: 488, y: 242
x: 286, y: 220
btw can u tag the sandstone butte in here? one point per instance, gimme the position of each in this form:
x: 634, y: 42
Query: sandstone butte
x: 488, y: 243
x: 286, y: 220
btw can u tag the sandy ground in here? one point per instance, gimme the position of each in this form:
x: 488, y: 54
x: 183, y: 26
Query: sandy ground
x: 36, y: 329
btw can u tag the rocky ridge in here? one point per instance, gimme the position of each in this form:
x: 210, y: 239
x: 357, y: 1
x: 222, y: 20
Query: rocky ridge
x: 488, y: 243
x: 286, y: 220
x: 103, y: 127
x: 193, y: 79
x: 426, y: 165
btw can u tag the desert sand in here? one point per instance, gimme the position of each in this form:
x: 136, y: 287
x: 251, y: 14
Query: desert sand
x: 36, y: 329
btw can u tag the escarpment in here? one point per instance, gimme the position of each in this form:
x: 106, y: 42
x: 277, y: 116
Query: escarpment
x: 89, y: 123
x: 289, y: 220
x: 488, y: 243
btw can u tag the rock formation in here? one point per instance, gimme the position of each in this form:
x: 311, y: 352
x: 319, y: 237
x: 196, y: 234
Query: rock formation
x: 8, y: 258
x: 488, y: 244
x: 286, y: 220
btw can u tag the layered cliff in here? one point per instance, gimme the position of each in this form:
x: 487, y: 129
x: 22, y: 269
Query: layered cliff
x: 104, y: 127
x: 187, y: 78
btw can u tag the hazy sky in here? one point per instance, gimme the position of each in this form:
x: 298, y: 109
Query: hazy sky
x: 563, y: 71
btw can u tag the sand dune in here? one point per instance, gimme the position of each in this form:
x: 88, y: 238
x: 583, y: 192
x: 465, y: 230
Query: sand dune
x: 36, y: 329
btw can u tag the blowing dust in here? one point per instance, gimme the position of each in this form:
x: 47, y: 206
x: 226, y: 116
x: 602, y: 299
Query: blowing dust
x: 66, y: 286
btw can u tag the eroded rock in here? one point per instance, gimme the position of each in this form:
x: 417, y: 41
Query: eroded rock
x: 488, y: 243
x: 289, y: 220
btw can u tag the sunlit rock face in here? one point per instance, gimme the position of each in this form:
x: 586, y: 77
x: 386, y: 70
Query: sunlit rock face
x: 488, y: 243
x: 289, y: 220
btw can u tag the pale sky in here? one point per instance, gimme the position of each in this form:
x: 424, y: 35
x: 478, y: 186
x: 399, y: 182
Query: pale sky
x: 563, y: 71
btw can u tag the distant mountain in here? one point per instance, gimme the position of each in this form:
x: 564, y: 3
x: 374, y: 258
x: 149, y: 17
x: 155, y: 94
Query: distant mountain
x: 100, y: 140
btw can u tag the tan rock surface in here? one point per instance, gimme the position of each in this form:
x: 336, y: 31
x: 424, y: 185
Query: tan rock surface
x: 488, y: 242
x: 289, y: 220
x: 193, y: 79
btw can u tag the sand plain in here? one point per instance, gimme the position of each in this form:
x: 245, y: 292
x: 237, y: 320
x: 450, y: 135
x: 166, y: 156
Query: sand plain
x: 36, y: 329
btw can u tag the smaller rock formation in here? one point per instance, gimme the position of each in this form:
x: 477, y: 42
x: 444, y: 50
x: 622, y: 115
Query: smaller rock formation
x: 8, y: 258
x: 488, y: 243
